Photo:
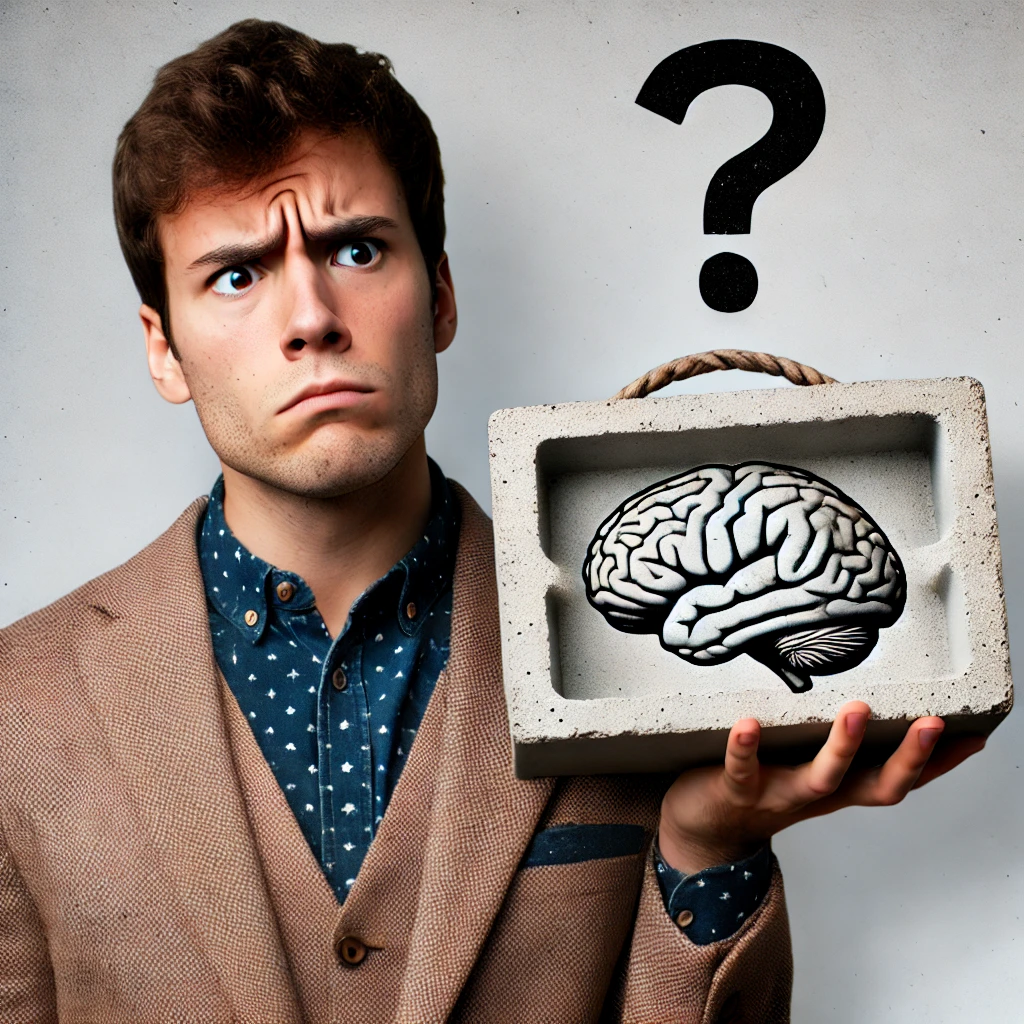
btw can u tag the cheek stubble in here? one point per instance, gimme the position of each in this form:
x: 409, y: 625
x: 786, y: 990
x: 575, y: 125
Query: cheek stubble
x: 327, y: 462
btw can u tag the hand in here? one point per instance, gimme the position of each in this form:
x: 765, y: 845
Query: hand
x: 724, y: 813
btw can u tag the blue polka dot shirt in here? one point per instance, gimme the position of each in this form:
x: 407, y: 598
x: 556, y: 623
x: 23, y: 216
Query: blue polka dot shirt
x: 334, y: 718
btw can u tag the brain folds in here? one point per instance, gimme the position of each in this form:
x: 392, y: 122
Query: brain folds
x: 721, y: 556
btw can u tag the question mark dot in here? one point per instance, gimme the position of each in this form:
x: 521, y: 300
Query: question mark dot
x: 728, y: 282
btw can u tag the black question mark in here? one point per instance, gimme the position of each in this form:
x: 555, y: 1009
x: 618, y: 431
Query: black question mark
x: 728, y: 282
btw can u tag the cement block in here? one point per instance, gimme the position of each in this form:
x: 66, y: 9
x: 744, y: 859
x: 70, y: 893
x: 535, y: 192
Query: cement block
x: 910, y: 463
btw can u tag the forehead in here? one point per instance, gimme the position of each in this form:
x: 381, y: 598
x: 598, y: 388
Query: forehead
x: 322, y: 179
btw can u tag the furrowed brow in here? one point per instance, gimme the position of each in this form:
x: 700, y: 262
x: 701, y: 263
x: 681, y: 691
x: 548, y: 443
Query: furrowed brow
x: 242, y: 252
x: 349, y: 230
x: 330, y: 235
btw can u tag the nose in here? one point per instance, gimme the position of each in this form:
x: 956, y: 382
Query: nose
x: 312, y: 321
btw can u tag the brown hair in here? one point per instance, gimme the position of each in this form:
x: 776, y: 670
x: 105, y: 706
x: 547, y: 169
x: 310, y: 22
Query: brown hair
x: 229, y: 111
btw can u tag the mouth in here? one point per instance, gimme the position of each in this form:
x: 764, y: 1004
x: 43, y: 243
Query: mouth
x: 330, y: 394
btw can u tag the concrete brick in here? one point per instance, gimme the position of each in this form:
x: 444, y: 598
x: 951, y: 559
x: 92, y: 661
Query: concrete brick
x: 584, y: 697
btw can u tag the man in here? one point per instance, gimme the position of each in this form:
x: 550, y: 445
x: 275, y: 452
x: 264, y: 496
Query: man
x: 261, y: 772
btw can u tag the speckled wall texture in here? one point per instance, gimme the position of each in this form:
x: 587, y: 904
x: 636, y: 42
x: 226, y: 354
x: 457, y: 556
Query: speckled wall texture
x: 576, y: 238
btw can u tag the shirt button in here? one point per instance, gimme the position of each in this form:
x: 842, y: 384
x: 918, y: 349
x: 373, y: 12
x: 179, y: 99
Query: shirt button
x: 339, y: 680
x: 684, y: 917
x: 285, y: 590
x: 251, y: 617
x: 350, y: 950
x: 410, y: 610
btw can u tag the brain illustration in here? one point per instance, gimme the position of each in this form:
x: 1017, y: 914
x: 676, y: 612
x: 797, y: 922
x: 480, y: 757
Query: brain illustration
x: 754, y: 559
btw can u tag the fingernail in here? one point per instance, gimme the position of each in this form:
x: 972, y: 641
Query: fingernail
x: 855, y: 723
x: 928, y: 737
x: 746, y: 739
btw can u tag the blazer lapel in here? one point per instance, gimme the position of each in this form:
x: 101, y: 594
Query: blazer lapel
x: 458, y: 813
x: 150, y: 676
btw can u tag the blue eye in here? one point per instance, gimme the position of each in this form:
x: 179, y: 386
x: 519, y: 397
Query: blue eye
x: 235, y: 281
x: 356, y: 254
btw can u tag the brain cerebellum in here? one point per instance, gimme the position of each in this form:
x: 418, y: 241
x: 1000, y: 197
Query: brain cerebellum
x: 757, y: 558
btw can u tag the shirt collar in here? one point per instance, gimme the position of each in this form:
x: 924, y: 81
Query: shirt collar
x: 429, y: 565
x: 247, y: 590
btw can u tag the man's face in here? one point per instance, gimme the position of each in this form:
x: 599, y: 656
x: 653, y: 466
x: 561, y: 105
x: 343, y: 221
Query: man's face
x: 302, y: 315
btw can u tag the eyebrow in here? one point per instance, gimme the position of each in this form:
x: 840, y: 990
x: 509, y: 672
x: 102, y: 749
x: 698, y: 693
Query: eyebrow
x: 331, y: 235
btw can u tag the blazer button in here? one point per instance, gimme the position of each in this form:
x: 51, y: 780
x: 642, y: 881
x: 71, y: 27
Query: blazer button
x: 339, y: 680
x: 350, y: 950
x: 684, y: 917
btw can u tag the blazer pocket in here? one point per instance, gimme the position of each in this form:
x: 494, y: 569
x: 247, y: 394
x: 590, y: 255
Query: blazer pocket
x: 571, y: 844
x: 560, y: 931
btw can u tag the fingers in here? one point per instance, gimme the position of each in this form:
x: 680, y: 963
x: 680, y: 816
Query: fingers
x: 947, y: 756
x: 897, y: 776
x: 911, y: 766
x: 742, y: 769
x: 823, y: 775
x: 822, y: 785
x: 888, y: 785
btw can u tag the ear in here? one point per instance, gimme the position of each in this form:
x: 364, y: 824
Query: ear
x: 446, y: 317
x: 164, y: 367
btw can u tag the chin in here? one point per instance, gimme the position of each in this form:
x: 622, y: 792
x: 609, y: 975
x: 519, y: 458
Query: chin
x: 328, y: 470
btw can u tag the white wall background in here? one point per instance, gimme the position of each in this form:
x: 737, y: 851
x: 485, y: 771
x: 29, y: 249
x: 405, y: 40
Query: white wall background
x: 575, y: 222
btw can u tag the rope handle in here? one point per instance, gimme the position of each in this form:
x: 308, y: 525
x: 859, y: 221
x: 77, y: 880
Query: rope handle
x: 722, y: 359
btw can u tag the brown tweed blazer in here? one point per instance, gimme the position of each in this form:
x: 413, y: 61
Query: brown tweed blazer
x: 151, y: 870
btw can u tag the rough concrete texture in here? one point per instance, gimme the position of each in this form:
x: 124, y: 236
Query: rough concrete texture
x: 584, y: 697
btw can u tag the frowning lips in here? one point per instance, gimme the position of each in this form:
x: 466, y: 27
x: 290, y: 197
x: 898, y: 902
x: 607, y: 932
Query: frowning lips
x: 329, y: 394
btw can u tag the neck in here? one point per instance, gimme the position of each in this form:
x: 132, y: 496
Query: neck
x: 339, y: 546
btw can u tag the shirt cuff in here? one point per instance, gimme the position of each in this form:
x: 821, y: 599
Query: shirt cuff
x: 713, y: 904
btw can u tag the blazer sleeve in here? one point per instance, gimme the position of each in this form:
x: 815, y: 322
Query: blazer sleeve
x: 27, y: 993
x: 665, y: 977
